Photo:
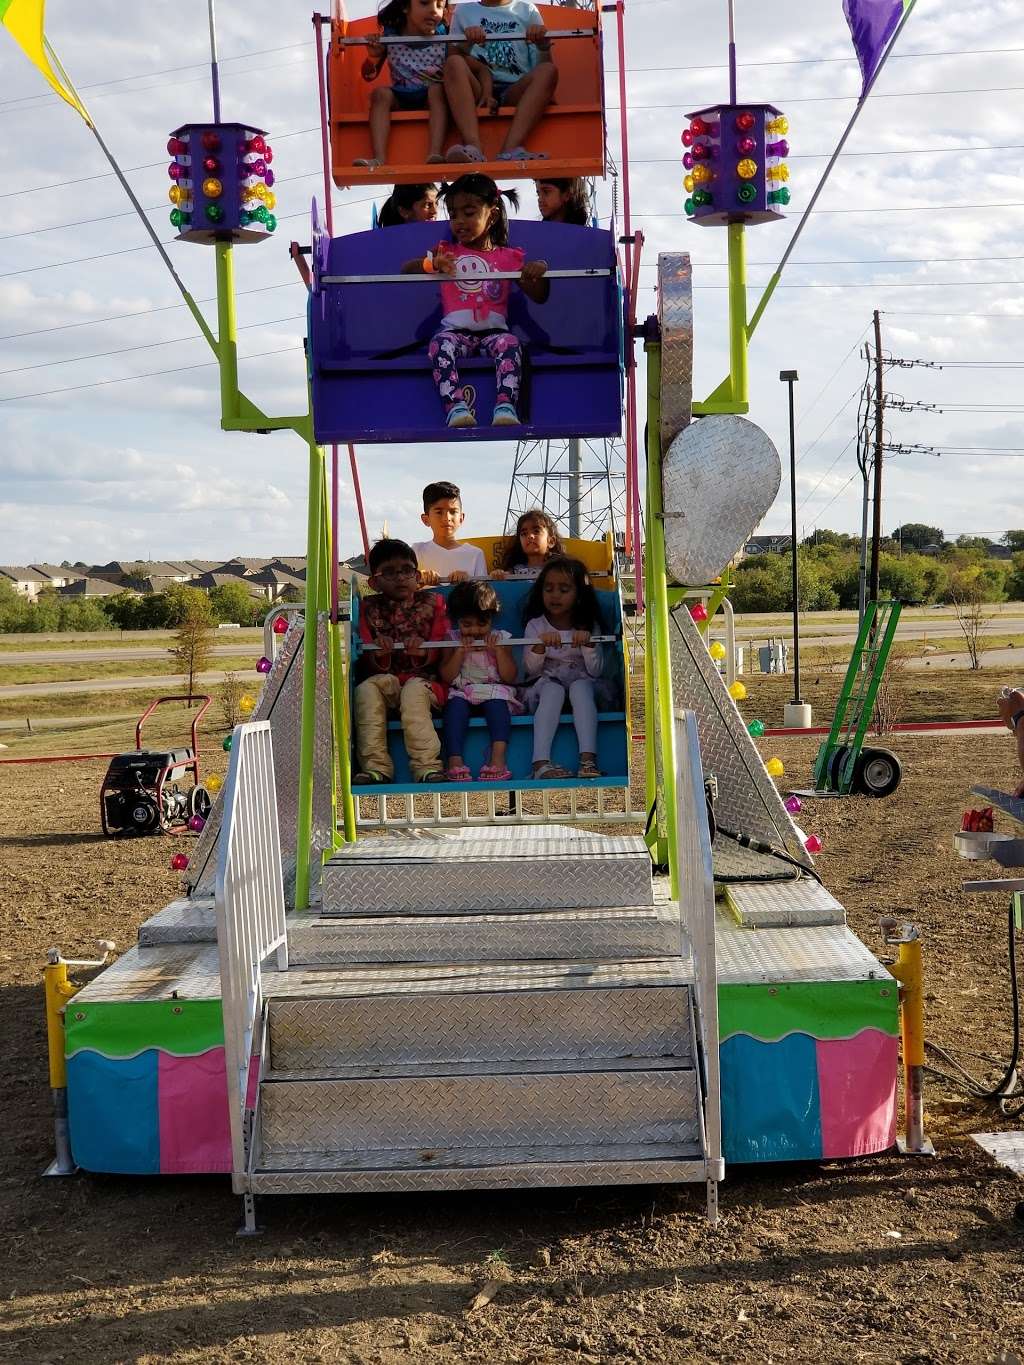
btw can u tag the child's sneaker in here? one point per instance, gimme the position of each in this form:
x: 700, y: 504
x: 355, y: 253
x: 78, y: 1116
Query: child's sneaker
x: 459, y: 415
x: 505, y: 415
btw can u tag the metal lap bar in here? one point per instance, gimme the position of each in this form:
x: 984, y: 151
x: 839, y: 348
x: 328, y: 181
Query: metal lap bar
x: 399, y: 41
x: 458, y: 644
x: 435, y: 276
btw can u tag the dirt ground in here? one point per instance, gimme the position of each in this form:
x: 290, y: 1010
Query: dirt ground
x: 877, y: 1260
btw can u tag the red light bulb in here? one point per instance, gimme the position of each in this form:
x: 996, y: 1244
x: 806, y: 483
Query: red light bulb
x: 701, y: 151
x: 256, y: 144
x: 698, y: 127
x: 268, y: 153
x: 176, y: 147
x: 179, y: 862
x: 745, y: 121
x: 688, y: 161
x: 211, y: 141
x: 280, y: 625
x: 176, y: 172
x: 746, y: 145
x: 813, y: 844
x: 258, y: 167
x: 699, y: 611
x: 211, y: 165
x: 687, y: 138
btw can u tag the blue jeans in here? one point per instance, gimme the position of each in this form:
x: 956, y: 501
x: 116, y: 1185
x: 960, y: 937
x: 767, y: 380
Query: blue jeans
x: 457, y: 712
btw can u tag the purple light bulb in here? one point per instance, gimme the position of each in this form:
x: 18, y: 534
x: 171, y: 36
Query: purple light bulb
x: 269, y: 177
x: 780, y: 148
x: 793, y: 804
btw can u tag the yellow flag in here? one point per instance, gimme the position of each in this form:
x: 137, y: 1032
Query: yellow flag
x: 23, y: 19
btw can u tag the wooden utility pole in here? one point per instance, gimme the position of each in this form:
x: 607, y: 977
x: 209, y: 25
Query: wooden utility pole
x: 876, y: 532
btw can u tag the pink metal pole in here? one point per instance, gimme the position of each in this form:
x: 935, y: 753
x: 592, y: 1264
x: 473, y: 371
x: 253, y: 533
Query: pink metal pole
x: 318, y: 22
x: 632, y: 274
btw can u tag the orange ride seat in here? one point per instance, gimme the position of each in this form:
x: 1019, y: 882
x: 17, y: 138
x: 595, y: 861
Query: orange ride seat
x: 572, y: 130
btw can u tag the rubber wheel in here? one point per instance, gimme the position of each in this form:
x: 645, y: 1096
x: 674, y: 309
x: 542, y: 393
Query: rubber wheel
x: 878, y: 773
x: 199, y: 802
x: 835, y: 765
x: 143, y: 816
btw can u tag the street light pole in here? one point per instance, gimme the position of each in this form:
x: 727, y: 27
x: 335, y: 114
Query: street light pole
x: 796, y: 713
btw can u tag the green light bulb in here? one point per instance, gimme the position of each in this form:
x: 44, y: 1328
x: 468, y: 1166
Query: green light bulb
x: 746, y: 194
x: 214, y: 213
x: 689, y: 207
x: 778, y: 196
x: 270, y: 222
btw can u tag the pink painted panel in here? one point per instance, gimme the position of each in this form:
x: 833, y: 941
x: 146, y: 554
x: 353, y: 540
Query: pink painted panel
x: 195, y: 1134
x: 857, y: 1087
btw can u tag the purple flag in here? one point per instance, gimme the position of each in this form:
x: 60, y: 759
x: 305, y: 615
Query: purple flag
x: 872, y: 24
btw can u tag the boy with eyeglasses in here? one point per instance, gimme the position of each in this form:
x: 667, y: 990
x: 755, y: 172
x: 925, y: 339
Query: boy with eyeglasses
x: 400, y: 674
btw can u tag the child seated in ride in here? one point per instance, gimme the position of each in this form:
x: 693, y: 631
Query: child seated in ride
x: 480, y: 677
x: 509, y: 38
x: 564, y: 200
x: 535, y: 542
x: 444, y: 557
x: 401, y: 672
x: 408, y: 204
x: 475, y: 317
x: 562, y: 603
x: 417, y: 75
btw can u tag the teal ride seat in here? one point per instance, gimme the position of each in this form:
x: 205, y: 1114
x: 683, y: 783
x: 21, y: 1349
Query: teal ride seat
x: 612, y: 729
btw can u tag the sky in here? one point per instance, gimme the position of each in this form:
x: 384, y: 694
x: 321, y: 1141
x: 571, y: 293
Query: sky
x: 921, y: 219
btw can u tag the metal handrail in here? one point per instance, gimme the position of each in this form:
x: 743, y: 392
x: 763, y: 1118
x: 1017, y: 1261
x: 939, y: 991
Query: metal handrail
x: 400, y: 39
x: 697, y: 917
x: 435, y: 277
x: 249, y: 903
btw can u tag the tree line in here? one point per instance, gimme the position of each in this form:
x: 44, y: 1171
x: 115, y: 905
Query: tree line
x: 829, y: 565
x: 230, y: 602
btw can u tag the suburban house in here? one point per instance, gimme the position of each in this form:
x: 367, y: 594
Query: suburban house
x: 91, y: 587
x: 26, y: 582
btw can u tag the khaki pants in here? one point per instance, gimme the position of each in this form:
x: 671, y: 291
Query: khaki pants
x: 414, y: 701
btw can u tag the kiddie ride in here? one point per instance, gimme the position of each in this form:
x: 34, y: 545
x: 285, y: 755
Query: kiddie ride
x: 526, y: 993
x: 140, y: 792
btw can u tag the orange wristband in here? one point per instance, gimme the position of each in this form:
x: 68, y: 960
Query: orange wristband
x: 428, y: 264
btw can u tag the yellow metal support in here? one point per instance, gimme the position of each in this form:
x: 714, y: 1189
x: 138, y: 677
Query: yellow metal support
x: 58, y: 990
x: 657, y: 661
x: 733, y: 394
x: 908, y: 969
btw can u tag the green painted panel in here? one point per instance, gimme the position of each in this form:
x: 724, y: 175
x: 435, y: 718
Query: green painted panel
x: 821, y: 1009
x: 183, y: 1028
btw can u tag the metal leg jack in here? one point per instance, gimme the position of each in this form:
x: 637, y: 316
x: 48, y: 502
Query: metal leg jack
x: 249, y: 1227
x: 712, y: 1202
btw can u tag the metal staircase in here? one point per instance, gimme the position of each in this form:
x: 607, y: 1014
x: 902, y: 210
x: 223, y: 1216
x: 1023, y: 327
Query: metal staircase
x: 525, y: 1013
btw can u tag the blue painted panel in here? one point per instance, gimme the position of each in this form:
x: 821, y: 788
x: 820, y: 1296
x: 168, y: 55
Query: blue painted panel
x: 770, y: 1103
x: 113, y: 1113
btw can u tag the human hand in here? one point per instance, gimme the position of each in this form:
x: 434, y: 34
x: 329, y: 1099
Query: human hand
x: 1010, y: 701
x: 533, y: 271
x: 430, y: 576
x: 385, y: 644
x: 581, y: 638
x: 498, y: 573
x: 444, y: 264
x: 376, y: 51
x: 488, y: 104
x: 475, y: 34
x: 414, y: 647
x: 536, y: 33
x: 458, y: 576
x: 552, y: 638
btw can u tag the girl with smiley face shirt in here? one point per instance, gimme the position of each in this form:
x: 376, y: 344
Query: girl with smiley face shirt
x: 475, y: 316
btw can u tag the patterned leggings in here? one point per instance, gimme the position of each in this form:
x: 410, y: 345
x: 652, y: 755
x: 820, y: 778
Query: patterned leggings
x: 502, y: 347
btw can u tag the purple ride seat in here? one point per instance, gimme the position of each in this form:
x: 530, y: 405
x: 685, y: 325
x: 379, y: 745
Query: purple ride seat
x: 368, y: 342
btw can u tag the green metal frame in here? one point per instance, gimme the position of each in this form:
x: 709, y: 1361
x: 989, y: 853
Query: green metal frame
x: 857, y: 695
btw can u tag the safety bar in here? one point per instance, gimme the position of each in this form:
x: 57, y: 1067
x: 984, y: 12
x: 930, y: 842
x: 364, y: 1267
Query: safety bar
x: 435, y: 276
x: 400, y: 41
x: 359, y: 648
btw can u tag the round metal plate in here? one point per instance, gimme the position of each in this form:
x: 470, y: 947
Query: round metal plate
x: 720, y: 476
x: 675, y: 317
x: 321, y: 246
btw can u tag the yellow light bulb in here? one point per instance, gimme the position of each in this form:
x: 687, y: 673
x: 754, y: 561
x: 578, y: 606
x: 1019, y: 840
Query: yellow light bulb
x: 717, y: 650
x: 778, y: 126
x: 737, y: 691
x: 688, y: 184
x: 214, y: 783
x: 175, y: 194
x: 270, y: 199
x: 212, y: 187
x: 775, y: 768
x: 779, y: 172
x: 246, y: 705
x: 746, y: 169
x: 702, y: 174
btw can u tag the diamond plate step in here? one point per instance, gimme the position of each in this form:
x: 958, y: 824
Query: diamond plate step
x: 485, y: 1168
x: 518, y: 1025
x: 783, y: 904
x: 522, y: 870
x: 564, y: 1109
x: 625, y: 932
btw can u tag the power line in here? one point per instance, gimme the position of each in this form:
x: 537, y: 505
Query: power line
x: 151, y: 374
x: 828, y: 471
x: 911, y: 208
x: 867, y: 260
x: 818, y: 61
x: 823, y: 156
x: 842, y: 490
x: 834, y: 416
x: 1000, y: 317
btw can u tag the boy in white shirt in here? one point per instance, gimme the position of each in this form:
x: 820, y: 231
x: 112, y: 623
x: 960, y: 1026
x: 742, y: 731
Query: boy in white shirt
x: 444, y: 558
x: 508, y: 37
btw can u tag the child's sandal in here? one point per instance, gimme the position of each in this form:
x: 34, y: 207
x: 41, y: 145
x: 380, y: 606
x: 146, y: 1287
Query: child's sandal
x: 432, y: 775
x: 588, y: 769
x: 460, y: 773
x: 369, y: 777
x: 490, y: 772
x: 548, y: 772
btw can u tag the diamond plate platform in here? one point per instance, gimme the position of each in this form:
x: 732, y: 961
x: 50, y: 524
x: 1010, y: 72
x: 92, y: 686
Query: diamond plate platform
x: 801, y: 901
x: 821, y: 953
x: 183, y: 921
x: 1006, y: 1148
x: 566, y: 1109
x: 522, y: 871
x: 487, y: 1169
x: 568, y: 934
x: 504, y: 1025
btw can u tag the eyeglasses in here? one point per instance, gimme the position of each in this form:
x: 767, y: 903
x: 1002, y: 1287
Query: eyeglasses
x: 400, y: 571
